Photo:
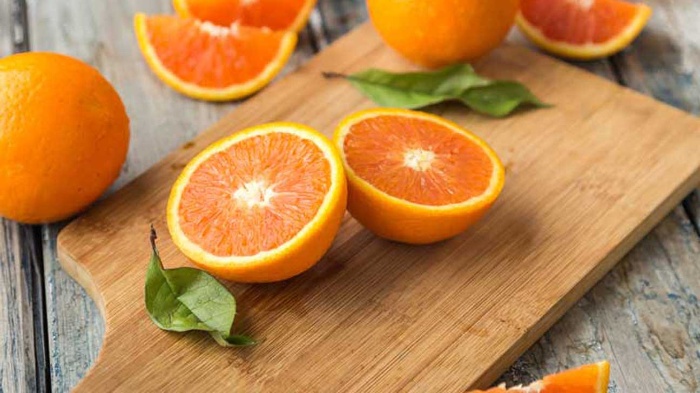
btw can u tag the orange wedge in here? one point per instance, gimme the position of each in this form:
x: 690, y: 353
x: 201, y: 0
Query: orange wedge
x: 415, y: 177
x: 582, y: 29
x: 209, y: 62
x: 262, y: 205
x: 592, y: 378
x: 273, y: 14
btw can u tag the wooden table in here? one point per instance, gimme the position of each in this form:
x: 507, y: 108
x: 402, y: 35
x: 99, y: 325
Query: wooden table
x: 644, y: 316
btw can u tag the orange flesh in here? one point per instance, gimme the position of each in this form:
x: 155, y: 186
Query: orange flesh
x: 451, y: 168
x: 572, y: 21
x: 584, y: 379
x: 274, y: 14
x: 225, y: 209
x: 189, y: 49
x: 591, y: 378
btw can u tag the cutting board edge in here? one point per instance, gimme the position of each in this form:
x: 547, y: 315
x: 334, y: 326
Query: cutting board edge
x: 559, y: 309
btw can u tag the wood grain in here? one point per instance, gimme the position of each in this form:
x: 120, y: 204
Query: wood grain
x: 100, y: 33
x: 663, y: 62
x: 439, y: 318
x: 599, y: 326
x: 18, y: 363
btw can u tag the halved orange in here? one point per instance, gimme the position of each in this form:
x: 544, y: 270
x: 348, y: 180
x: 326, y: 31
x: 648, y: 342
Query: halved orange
x: 274, y: 14
x: 209, y: 62
x: 262, y: 205
x: 592, y: 378
x: 414, y: 177
x: 582, y: 29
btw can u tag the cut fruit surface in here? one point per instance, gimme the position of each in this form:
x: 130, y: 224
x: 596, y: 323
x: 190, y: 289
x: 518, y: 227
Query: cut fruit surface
x: 582, y: 29
x: 262, y: 205
x: 592, y: 378
x: 273, y: 14
x: 209, y: 62
x: 415, y: 177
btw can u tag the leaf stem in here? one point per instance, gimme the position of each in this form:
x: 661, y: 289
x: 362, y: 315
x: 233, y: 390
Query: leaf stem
x: 333, y: 75
x: 154, y: 236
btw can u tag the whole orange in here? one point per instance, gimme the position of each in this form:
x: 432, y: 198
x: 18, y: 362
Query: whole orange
x: 64, y: 135
x: 435, y: 33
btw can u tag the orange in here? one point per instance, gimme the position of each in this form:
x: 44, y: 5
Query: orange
x: 582, y: 29
x: 209, y: 62
x: 273, y: 14
x: 64, y: 135
x: 435, y: 33
x: 415, y: 177
x: 261, y: 205
x: 592, y: 378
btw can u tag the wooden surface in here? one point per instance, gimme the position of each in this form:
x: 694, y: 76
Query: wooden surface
x: 603, y: 158
x: 621, y: 319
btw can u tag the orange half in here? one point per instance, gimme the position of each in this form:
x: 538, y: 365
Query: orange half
x: 209, y: 62
x: 415, y: 177
x: 261, y: 205
x: 273, y: 14
x: 592, y: 378
x: 582, y: 29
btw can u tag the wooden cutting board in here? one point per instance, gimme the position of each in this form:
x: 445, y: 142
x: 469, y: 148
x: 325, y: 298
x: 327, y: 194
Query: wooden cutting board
x: 585, y: 181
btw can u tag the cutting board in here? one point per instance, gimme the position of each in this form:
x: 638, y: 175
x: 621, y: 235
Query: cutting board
x: 585, y: 181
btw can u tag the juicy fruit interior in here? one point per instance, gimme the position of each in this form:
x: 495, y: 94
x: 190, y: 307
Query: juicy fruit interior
x: 417, y: 160
x: 255, y: 195
x: 579, y: 21
x: 212, y: 56
x: 273, y: 14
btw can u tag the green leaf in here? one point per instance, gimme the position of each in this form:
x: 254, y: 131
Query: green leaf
x: 499, y: 98
x: 459, y: 82
x: 185, y: 299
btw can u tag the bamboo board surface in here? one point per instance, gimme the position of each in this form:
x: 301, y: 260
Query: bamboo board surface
x: 586, y: 180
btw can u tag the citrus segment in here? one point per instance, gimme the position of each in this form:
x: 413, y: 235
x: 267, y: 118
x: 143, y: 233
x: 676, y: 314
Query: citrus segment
x: 417, y: 160
x: 415, y: 177
x: 210, y: 62
x: 591, y: 378
x: 273, y: 14
x: 582, y: 29
x: 262, y: 205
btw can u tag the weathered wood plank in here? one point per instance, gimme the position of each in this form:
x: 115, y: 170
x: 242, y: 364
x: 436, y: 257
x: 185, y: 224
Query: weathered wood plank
x: 22, y: 356
x: 101, y: 33
x: 18, y: 363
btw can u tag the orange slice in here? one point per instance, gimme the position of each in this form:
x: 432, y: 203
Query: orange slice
x: 415, y: 177
x: 274, y: 14
x: 262, y: 205
x: 582, y: 29
x: 209, y: 62
x: 592, y: 378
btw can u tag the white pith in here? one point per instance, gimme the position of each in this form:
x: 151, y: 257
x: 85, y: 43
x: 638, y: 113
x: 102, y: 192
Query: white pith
x: 418, y: 159
x: 255, y: 193
x: 219, y: 31
x: 583, y: 4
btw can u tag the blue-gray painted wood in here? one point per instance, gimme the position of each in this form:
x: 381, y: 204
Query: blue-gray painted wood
x: 18, y: 363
